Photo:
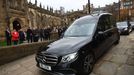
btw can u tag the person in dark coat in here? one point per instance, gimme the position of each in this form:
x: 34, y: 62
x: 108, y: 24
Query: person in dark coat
x: 48, y: 33
x: 35, y: 35
x: 64, y: 29
x: 29, y: 35
x: 59, y: 32
x: 8, y: 36
x: 41, y: 34
x: 45, y: 33
x: 21, y: 36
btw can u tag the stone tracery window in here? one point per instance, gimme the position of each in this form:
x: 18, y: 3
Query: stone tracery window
x: 44, y: 20
x: 22, y: 4
x: 19, y: 4
x: 38, y: 19
x: 10, y: 3
x: 32, y: 19
x: 15, y: 4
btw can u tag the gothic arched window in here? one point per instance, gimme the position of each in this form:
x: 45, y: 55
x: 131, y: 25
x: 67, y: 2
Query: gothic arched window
x: 10, y: 3
x: 32, y: 19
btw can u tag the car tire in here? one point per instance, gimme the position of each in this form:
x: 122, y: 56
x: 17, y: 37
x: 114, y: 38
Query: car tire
x: 87, y: 64
x: 118, y: 39
x: 127, y: 33
x: 117, y: 42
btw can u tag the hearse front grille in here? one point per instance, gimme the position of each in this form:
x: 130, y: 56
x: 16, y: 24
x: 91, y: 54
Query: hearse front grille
x: 48, y: 59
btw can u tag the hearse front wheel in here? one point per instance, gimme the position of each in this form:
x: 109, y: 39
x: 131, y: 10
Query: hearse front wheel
x: 87, y: 65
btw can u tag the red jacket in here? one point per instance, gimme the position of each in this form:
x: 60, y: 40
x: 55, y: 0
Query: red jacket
x: 15, y: 36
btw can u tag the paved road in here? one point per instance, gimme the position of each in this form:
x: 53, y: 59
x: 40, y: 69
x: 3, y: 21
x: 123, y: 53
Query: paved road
x: 119, y: 60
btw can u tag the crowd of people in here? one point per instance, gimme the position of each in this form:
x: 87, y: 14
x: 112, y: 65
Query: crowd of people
x: 33, y: 35
x: 16, y: 37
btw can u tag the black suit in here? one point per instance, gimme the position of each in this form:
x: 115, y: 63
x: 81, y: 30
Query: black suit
x: 8, y: 37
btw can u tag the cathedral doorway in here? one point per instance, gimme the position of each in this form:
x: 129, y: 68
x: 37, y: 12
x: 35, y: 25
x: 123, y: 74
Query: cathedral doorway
x: 16, y: 25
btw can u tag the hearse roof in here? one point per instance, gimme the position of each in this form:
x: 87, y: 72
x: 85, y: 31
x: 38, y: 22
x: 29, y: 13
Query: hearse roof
x: 94, y: 16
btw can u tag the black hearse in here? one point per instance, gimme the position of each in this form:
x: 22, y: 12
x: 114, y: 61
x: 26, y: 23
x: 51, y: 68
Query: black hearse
x: 82, y: 44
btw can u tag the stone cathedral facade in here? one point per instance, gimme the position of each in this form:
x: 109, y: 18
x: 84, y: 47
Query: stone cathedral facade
x: 19, y: 14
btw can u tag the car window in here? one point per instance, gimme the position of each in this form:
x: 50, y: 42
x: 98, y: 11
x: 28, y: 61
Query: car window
x: 112, y: 21
x: 105, y: 23
x: 102, y: 24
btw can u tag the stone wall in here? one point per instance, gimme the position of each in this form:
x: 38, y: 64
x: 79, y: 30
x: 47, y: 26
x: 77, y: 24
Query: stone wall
x: 8, y: 54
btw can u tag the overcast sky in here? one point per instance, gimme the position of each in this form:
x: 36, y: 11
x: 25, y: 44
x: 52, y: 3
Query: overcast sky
x: 72, y: 4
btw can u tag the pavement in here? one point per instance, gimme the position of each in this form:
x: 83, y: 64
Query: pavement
x: 119, y: 60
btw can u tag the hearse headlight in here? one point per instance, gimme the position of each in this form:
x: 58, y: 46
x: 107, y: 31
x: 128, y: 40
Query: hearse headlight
x: 69, y: 57
x: 125, y: 28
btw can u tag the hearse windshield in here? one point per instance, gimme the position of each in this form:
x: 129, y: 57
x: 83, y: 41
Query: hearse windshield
x: 81, y: 27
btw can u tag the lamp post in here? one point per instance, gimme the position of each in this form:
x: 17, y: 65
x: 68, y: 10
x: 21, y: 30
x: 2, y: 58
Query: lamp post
x: 7, y: 15
x: 89, y: 6
x: 119, y: 9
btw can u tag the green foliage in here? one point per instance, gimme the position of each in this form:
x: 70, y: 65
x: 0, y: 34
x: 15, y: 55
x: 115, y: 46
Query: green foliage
x: 2, y: 43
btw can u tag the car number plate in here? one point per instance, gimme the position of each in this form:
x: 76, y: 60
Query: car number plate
x: 45, y: 66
